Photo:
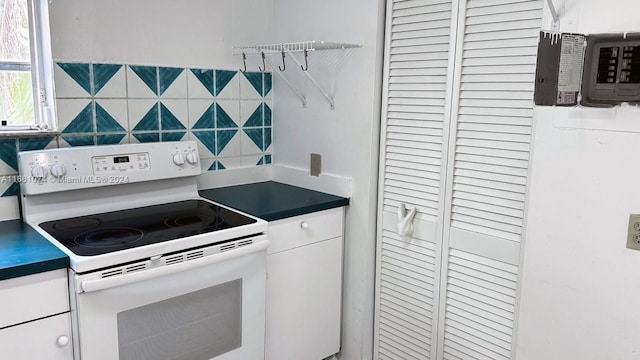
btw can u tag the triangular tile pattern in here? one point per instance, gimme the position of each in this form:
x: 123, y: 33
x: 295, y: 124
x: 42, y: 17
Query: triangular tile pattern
x: 173, y: 136
x: 223, y: 120
x: 102, y: 73
x: 37, y: 143
x: 102, y: 124
x: 224, y: 137
x: 82, y: 123
x: 256, y: 117
x: 168, y: 120
x: 257, y: 136
x: 147, y: 137
x: 206, y: 78
x: 110, y: 139
x: 12, y: 190
x: 223, y: 77
x: 207, y: 138
x: 83, y: 140
x: 255, y: 79
x: 149, y: 75
x: 80, y: 73
x: 261, y: 161
x: 267, y: 138
x: 212, y: 167
x: 266, y: 113
x: 167, y: 76
x: 150, y: 121
x: 268, y: 84
x: 8, y: 153
x: 207, y: 120
x: 105, y: 122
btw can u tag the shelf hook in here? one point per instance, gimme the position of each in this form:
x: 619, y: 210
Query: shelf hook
x: 284, y: 65
x: 244, y: 61
x: 306, y: 64
x: 264, y: 67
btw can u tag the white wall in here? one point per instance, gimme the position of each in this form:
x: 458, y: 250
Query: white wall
x: 194, y: 33
x: 580, y: 291
x: 347, y: 137
x: 189, y: 33
x: 186, y: 33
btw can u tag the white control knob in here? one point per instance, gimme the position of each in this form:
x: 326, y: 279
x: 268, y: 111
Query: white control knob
x: 304, y: 225
x: 63, y: 341
x: 58, y: 170
x: 178, y: 159
x: 192, y: 158
x: 38, y: 172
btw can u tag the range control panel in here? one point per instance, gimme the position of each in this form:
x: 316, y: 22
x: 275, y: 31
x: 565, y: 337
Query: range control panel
x: 118, y: 164
x: 52, y: 170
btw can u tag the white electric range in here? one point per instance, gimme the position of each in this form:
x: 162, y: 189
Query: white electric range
x: 157, y: 272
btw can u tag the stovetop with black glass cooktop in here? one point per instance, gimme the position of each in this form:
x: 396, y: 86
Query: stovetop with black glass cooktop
x: 124, y: 229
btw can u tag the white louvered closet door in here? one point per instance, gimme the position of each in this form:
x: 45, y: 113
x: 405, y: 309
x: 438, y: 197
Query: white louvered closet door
x: 413, y: 168
x: 491, y: 125
x: 456, y: 130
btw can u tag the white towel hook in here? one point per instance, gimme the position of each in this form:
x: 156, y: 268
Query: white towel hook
x: 405, y: 221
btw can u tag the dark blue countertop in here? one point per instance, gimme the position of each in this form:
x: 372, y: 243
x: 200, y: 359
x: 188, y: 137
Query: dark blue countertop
x: 272, y: 201
x: 23, y: 251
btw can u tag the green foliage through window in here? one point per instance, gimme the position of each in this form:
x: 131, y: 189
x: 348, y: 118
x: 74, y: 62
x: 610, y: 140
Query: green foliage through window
x: 16, y: 85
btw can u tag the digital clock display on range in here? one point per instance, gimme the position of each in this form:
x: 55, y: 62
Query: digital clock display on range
x: 120, y: 159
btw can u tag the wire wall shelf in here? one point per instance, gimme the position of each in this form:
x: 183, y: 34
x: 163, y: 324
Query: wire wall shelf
x: 292, y: 47
x: 287, y: 50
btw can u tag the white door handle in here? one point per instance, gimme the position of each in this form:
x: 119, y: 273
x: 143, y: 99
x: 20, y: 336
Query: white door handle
x: 111, y: 282
x: 405, y: 221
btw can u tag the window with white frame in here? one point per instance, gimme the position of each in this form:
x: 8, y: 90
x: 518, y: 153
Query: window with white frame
x: 26, y: 85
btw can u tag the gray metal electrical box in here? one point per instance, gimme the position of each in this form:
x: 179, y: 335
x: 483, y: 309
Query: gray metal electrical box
x: 559, y: 69
x: 612, y: 70
x: 598, y: 70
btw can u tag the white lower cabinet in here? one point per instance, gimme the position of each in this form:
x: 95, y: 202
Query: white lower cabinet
x: 34, y: 317
x: 46, y: 339
x: 304, y: 286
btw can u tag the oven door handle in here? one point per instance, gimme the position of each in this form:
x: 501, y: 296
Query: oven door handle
x: 111, y: 282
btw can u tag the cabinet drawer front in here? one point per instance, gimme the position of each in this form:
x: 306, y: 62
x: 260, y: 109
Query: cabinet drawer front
x: 48, y: 338
x: 305, y: 229
x: 32, y: 297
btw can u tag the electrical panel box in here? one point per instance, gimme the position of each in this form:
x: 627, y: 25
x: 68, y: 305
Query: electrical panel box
x: 612, y: 70
x: 598, y: 70
x: 559, y: 69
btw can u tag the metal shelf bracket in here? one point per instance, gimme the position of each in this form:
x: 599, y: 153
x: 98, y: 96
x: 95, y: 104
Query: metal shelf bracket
x: 304, y: 47
x: 554, y: 13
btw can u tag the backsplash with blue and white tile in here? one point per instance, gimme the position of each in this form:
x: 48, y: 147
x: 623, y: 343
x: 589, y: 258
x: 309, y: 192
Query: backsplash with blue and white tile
x: 227, y: 112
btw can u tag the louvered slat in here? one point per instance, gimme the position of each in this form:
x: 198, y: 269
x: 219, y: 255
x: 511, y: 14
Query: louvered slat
x: 480, y: 306
x: 490, y: 158
x: 405, y: 298
x: 494, y: 116
x: 418, y: 60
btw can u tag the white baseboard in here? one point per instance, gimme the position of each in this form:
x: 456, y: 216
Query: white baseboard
x: 230, y: 177
x: 327, y: 183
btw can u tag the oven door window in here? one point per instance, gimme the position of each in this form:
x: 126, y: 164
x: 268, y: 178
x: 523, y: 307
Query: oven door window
x: 198, y: 325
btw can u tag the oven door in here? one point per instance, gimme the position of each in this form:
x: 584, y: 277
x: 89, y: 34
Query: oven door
x: 207, y: 308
